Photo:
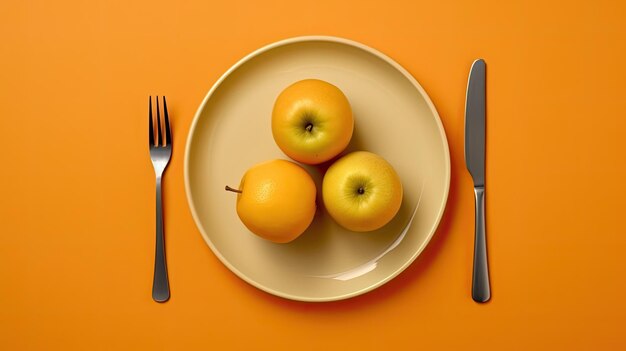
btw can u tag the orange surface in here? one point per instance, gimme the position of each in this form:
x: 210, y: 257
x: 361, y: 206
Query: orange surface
x: 77, y: 197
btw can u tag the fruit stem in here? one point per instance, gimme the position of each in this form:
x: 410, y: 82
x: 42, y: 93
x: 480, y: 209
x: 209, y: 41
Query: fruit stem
x: 233, y: 189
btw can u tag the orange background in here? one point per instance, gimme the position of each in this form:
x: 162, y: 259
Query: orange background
x: 77, y: 186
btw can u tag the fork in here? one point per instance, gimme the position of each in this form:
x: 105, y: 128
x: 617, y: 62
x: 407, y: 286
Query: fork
x: 160, y: 154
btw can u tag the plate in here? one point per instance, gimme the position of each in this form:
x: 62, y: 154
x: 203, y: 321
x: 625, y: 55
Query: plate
x: 394, y: 118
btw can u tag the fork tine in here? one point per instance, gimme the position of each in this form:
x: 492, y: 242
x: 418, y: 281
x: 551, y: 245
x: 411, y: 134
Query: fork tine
x: 160, y: 135
x: 168, y: 135
x: 150, y: 121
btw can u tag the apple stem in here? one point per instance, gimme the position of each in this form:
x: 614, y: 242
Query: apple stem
x: 309, y: 127
x: 232, y: 189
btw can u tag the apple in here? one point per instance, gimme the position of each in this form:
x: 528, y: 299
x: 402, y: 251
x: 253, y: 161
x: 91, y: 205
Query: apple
x: 361, y: 191
x: 312, y: 121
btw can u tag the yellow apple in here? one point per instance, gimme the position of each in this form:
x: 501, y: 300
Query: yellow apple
x: 312, y: 121
x: 361, y: 191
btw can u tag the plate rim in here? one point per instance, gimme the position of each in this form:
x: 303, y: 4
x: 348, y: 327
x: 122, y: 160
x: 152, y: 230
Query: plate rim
x: 289, y: 41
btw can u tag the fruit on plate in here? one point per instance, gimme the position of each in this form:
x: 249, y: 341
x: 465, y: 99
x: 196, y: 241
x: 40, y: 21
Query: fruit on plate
x: 276, y: 200
x: 312, y: 121
x: 361, y: 191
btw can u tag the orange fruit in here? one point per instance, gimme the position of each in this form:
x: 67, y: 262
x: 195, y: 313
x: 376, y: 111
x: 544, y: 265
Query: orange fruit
x: 276, y: 200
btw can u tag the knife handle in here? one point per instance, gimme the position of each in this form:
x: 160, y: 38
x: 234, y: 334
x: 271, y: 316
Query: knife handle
x: 480, y: 279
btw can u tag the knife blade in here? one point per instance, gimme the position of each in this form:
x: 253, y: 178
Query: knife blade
x: 475, y: 162
x: 475, y: 123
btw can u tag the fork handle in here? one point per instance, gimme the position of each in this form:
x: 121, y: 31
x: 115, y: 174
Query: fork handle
x: 480, y: 279
x: 160, y: 284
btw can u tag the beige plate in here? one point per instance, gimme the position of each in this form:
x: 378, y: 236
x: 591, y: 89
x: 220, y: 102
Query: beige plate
x: 393, y: 118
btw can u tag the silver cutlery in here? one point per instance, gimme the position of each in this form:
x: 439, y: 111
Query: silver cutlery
x: 160, y: 154
x: 475, y: 162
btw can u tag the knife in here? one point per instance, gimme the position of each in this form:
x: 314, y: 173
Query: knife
x: 475, y: 162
